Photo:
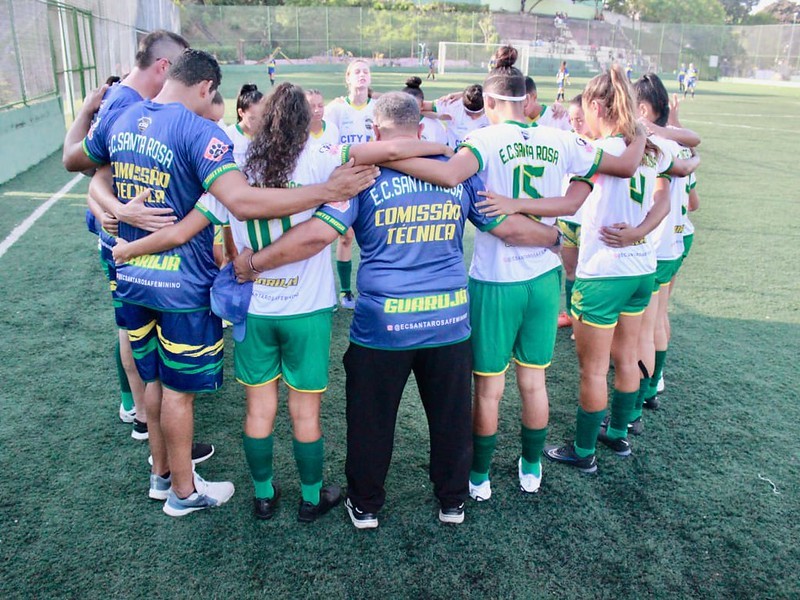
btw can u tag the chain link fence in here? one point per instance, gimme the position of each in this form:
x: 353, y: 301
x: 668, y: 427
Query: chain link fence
x: 239, y: 34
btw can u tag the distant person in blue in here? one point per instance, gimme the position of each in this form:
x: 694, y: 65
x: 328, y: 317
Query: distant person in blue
x: 165, y: 149
x: 691, y: 80
x: 271, y: 70
x: 431, y: 63
x: 411, y: 314
x: 682, y: 78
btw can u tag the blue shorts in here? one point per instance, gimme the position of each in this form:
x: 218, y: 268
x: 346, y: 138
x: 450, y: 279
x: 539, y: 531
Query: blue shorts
x: 182, y: 350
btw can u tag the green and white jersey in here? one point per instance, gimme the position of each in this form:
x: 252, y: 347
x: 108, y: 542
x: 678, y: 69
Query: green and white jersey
x: 354, y: 122
x: 433, y: 130
x: 667, y: 238
x: 241, y: 142
x: 547, y: 119
x: 616, y: 200
x: 523, y: 161
x: 461, y: 123
x: 329, y: 135
x: 688, y: 227
x: 298, y: 288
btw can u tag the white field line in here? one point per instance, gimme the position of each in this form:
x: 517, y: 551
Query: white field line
x: 740, y: 126
x: 20, y: 229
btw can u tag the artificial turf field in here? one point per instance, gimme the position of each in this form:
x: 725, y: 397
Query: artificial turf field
x: 688, y: 515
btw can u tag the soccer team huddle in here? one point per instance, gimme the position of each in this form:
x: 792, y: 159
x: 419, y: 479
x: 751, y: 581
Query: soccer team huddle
x: 593, y: 196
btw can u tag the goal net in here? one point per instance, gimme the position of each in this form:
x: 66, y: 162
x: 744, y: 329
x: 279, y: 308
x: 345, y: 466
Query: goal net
x: 463, y: 57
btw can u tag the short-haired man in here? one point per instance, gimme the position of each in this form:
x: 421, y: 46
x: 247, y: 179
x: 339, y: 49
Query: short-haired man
x: 411, y: 314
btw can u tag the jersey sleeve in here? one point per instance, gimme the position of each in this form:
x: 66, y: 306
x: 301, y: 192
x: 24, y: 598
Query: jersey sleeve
x: 479, y: 146
x: 332, y: 112
x: 213, y: 209
x: 327, y: 158
x: 472, y: 186
x: 95, y: 144
x: 210, y: 151
x: 339, y: 215
x: 582, y: 158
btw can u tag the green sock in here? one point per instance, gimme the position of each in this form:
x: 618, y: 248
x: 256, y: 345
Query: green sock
x: 568, y: 285
x: 308, y: 456
x: 644, y: 385
x: 345, y: 270
x: 661, y: 357
x: 586, y: 429
x: 258, y: 452
x: 482, y: 451
x: 622, y: 404
x: 532, y: 446
x: 124, y: 387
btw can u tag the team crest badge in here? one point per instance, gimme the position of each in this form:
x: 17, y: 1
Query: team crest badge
x: 584, y: 144
x: 340, y: 206
x: 215, y: 150
x: 95, y: 123
x: 525, y: 135
x: 368, y: 123
x: 143, y: 123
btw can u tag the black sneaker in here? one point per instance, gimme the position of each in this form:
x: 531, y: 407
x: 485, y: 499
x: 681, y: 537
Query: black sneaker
x: 139, y: 431
x: 454, y: 514
x: 264, y: 508
x: 329, y: 497
x: 201, y: 452
x: 652, y: 403
x: 361, y: 519
x: 620, y: 446
x: 566, y: 454
x: 636, y: 427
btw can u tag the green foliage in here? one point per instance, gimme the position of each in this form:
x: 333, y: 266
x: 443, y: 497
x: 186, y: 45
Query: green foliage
x: 737, y: 11
x: 671, y: 11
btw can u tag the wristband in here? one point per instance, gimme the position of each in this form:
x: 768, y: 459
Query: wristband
x: 251, y: 265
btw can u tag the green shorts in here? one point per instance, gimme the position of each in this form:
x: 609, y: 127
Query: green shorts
x: 665, y: 271
x: 571, y: 233
x: 296, y: 348
x: 688, y: 240
x: 516, y: 320
x: 600, y: 302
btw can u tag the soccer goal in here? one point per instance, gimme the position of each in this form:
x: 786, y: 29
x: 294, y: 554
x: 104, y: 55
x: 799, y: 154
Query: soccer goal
x: 464, y: 57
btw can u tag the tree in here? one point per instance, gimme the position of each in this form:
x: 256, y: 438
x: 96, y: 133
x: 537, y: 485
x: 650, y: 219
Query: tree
x: 707, y: 12
x: 737, y: 10
x: 528, y: 5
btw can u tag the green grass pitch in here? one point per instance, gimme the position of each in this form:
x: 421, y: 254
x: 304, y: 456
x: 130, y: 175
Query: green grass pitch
x: 688, y: 515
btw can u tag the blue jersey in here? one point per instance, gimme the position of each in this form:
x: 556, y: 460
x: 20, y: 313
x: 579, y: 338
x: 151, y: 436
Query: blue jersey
x: 412, y: 280
x: 177, y: 155
x: 116, y: 98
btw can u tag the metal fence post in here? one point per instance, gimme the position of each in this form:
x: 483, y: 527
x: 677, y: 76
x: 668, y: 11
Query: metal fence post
x: 17, y: 52
x: 297, y: 29
x: 361, y: 31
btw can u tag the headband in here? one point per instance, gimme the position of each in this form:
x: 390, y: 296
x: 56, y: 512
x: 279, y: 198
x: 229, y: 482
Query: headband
x: 473, y: 112
x: 509, y: 98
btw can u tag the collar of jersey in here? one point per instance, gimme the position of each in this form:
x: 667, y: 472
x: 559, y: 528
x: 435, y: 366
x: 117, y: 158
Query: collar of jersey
x: 357, y: 106
x: 316, y: 136
x: 523, y: 125
x: 239, y: 129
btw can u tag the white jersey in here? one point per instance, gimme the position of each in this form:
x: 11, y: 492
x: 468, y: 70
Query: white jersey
x: 667, y: 238
x: 433, y: 130
x: 329, y: 135
x: 298, y: 288
x: 241, y: 142
x: 353, y: 122
x: 616, y: 200
x: 547, y: 119
x: 461, y: 123
x: 519, y: 160
x: 688, y: 227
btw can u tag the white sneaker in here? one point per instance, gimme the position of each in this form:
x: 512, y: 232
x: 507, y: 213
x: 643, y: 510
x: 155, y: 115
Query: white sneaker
x: 480, y: 492
x: 528, y: 482
x: 126, y: 416
x: 346, y: 300
x: 160, y: 487
x: 660, y: 386
x: 207, y: 494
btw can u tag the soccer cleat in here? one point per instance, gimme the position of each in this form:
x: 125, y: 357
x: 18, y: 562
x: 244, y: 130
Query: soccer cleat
x: 159, y: 486
x: 651, y: 403
x: 361, y: 519
x: 200, y: 452
x: 207, y: 494
x: 636, y: 427
x: 480, y: 492
x: 564, y: 320
x: 528, y: 482
x: 126, y: 416
x: 264, y: 508
x: 620, y: 446
x: 347, y: 301
x: 566, y: 454
x: 139, y: 431
x: 453, y: 514
x: 660, y: 386
x: 329, y: 497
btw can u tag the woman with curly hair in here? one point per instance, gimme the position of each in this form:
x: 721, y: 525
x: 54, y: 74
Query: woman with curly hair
x: 288, y: 328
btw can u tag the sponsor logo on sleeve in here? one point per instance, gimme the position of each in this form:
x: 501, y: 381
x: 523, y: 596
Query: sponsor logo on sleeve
x: 585, y: 145
x: 342, y: 207
x: 215, y: 150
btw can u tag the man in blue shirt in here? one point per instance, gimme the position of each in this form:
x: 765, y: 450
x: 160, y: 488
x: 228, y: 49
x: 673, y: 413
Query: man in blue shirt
x: 411, y: 314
